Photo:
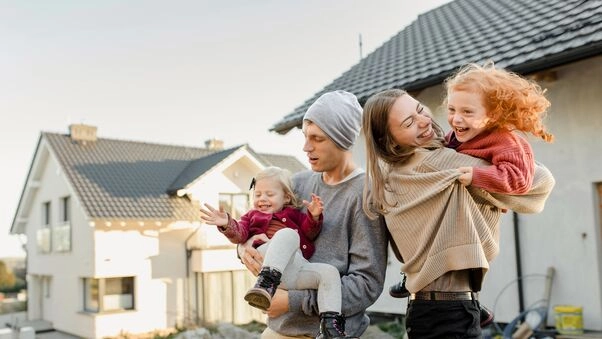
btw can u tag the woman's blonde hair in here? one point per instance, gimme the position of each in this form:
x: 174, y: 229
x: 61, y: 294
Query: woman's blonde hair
x: 512, y: 102
x: 284, y: 177
x: 380, y: 145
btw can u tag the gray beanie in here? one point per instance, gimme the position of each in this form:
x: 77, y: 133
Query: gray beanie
x: 339, y: 115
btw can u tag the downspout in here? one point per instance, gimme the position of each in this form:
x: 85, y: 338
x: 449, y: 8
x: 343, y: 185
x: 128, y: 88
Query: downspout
x: 519, y: 268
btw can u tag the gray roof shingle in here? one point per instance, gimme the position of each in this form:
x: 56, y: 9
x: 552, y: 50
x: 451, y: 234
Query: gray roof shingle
x: 136, y: 180
x: 521, y: 35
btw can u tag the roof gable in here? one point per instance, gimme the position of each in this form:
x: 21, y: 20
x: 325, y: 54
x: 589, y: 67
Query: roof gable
x: 117, y: 179
x: 197, y: 167
x: 522, y: 35
x: 125, y: 179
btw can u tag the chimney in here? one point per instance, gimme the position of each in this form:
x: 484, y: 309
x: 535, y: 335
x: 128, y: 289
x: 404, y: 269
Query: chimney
x: 81, y: 132
x: 214, y: 144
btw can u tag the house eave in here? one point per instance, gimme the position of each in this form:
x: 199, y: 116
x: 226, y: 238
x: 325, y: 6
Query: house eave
x: 143, y: 224
x: 530, y: 66
x: 284, y: 128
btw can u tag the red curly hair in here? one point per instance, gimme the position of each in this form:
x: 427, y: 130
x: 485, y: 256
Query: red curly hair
x: 512, y: 102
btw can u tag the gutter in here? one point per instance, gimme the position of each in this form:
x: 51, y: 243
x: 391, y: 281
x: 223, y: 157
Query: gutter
x: 532, y: 66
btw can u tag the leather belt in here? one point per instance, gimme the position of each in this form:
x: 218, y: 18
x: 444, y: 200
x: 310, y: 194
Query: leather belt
x: 435, y: 295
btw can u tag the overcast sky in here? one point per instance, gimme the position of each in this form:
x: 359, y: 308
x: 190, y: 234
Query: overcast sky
x: 176, y: 72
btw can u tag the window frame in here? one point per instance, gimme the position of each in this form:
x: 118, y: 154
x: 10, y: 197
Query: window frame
x: 44, y: 233
x: 95, y: 291
x: 234, y: 211
x: 46, y: 214
x: 65, y: 212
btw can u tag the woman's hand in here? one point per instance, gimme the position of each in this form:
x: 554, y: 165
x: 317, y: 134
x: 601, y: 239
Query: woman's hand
x: 249, y: 255
x: 465, y: 177
x: 214, y: 217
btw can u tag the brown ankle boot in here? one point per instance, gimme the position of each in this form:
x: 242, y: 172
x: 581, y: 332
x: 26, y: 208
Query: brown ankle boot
x: 260, y: 296
x: 332, y: 326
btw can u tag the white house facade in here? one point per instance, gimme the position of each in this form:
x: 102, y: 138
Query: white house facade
x: 105, y: 259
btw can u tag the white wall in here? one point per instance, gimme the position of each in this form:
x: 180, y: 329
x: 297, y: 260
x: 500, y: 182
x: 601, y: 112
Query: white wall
x: 566, y: 234
x: 155, y: 258
x: 63, y: 269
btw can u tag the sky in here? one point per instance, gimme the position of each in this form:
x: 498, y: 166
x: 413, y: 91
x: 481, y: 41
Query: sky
x: 174, y: 72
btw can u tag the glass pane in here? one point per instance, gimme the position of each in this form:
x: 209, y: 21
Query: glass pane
x: 65, y: 210
x: 91, y: 295
x: 46, y: 214
x: 43, y: 240
x: 119, y: 294
x: 240, y: 205
x: 61, y: 238
x: 225, y: 202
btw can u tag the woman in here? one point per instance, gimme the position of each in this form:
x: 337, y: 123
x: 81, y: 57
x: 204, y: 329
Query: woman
x: 445, y: 232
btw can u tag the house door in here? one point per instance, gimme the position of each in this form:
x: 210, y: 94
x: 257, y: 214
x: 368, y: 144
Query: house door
x: 46, y: 298
x: 40, y: 296
x: 35, y: 293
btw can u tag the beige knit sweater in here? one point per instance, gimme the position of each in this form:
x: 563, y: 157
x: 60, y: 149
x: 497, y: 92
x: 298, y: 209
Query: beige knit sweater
x: 440, y: 225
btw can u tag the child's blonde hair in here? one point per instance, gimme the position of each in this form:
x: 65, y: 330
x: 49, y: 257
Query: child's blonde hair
x: 283, y: 177
x: 512, y: 102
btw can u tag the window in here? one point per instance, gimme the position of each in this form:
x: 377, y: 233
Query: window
x: 65, y: 217
x: 236, y: 204
x: 46, y: 214
x: 43, y: 234
x: 91, y: 295
x: 108, y: 294
x: 61, y: 233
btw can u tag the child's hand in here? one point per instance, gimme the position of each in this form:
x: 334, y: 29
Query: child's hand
x: 466, y: 177
x: 213, y: 216
x: 315, y: 207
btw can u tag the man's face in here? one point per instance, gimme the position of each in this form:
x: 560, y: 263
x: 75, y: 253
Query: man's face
x: 322, y: 153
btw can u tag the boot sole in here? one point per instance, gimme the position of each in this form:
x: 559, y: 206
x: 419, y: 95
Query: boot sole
x: 258, y: 300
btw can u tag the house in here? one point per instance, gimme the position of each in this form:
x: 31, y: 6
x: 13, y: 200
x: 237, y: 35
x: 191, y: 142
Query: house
x: 559, y: 44
x: 115, y: 240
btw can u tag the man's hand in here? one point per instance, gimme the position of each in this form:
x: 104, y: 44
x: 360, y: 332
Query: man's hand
x: 249, y: 255
x: 466, y: 177
x: 279, y: 304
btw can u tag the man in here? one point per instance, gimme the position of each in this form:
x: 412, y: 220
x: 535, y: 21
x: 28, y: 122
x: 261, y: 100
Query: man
x: 350, y: 241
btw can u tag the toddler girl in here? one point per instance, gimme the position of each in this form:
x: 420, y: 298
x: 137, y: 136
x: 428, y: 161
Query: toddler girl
x: 291, y: 233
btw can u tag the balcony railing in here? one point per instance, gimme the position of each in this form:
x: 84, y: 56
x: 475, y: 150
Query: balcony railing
x: 61, y: 238
x: 55, y: 239
x: 43, y: 240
